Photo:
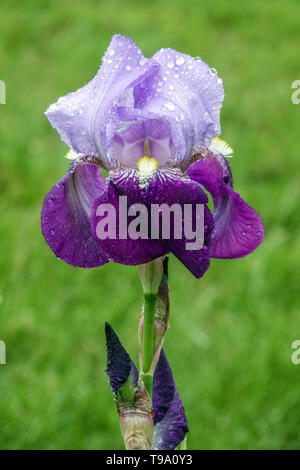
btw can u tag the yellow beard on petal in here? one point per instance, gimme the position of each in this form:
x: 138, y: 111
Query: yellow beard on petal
x: 218, y: 145
x: 146, y: 168
x: 71, y: 155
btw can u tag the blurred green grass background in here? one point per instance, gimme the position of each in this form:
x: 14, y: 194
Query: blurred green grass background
x: 231, y: 332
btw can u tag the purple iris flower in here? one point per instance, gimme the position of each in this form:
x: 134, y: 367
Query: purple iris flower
x: 152, y: 123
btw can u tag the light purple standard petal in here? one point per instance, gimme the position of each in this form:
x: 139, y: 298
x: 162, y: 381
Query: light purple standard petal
x: 119, y: 365
x: 169, y: 417
x: 66, y: 214
x: 129, y: 146
x: 188, y: 95
x: 238, y: 228
x: 87, y: 118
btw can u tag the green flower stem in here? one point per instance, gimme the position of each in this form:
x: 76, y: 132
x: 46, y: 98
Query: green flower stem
x: 183, y: 444
x: 148, y: 340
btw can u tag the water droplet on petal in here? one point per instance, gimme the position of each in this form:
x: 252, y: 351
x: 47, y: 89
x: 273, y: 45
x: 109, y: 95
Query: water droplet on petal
x: 180, y: 60
x: 170, y: 65
x: 128, y: 67
x: 111, y: 52
x: 170, y: 106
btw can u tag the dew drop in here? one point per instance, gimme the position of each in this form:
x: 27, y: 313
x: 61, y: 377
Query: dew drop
x: 128, y: 67
x: 170, y: 65
x: 180, y: 60
x: 170, y: 106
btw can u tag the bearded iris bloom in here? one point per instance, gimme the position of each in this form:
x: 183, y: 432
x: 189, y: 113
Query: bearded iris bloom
x: 153, y: 124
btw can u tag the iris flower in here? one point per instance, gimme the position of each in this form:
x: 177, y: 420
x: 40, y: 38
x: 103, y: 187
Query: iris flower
x: 153, y: 124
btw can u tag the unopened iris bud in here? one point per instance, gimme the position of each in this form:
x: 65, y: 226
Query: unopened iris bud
x: 133, y: 402
x: 170, y: 423
x: 137, y: 430
x: 162, y: 309
x: 151, y: 275
x: 136, y: 422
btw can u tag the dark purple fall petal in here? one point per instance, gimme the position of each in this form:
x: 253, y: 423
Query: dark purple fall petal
x: 125, y: 251
x: 66, y: 214
x: 119, y: 365
x: 170, y: 188
x: 169, y: 418
x: 238, y: 228
x: 167, y: 187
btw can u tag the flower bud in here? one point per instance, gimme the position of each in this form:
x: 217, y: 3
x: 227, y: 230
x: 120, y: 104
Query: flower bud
x: 133, y: 402
x: 136, y: 422
x: 137, y: 430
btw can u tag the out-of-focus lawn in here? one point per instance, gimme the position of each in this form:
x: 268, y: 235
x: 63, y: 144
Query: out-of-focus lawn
x: 231, y: 332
